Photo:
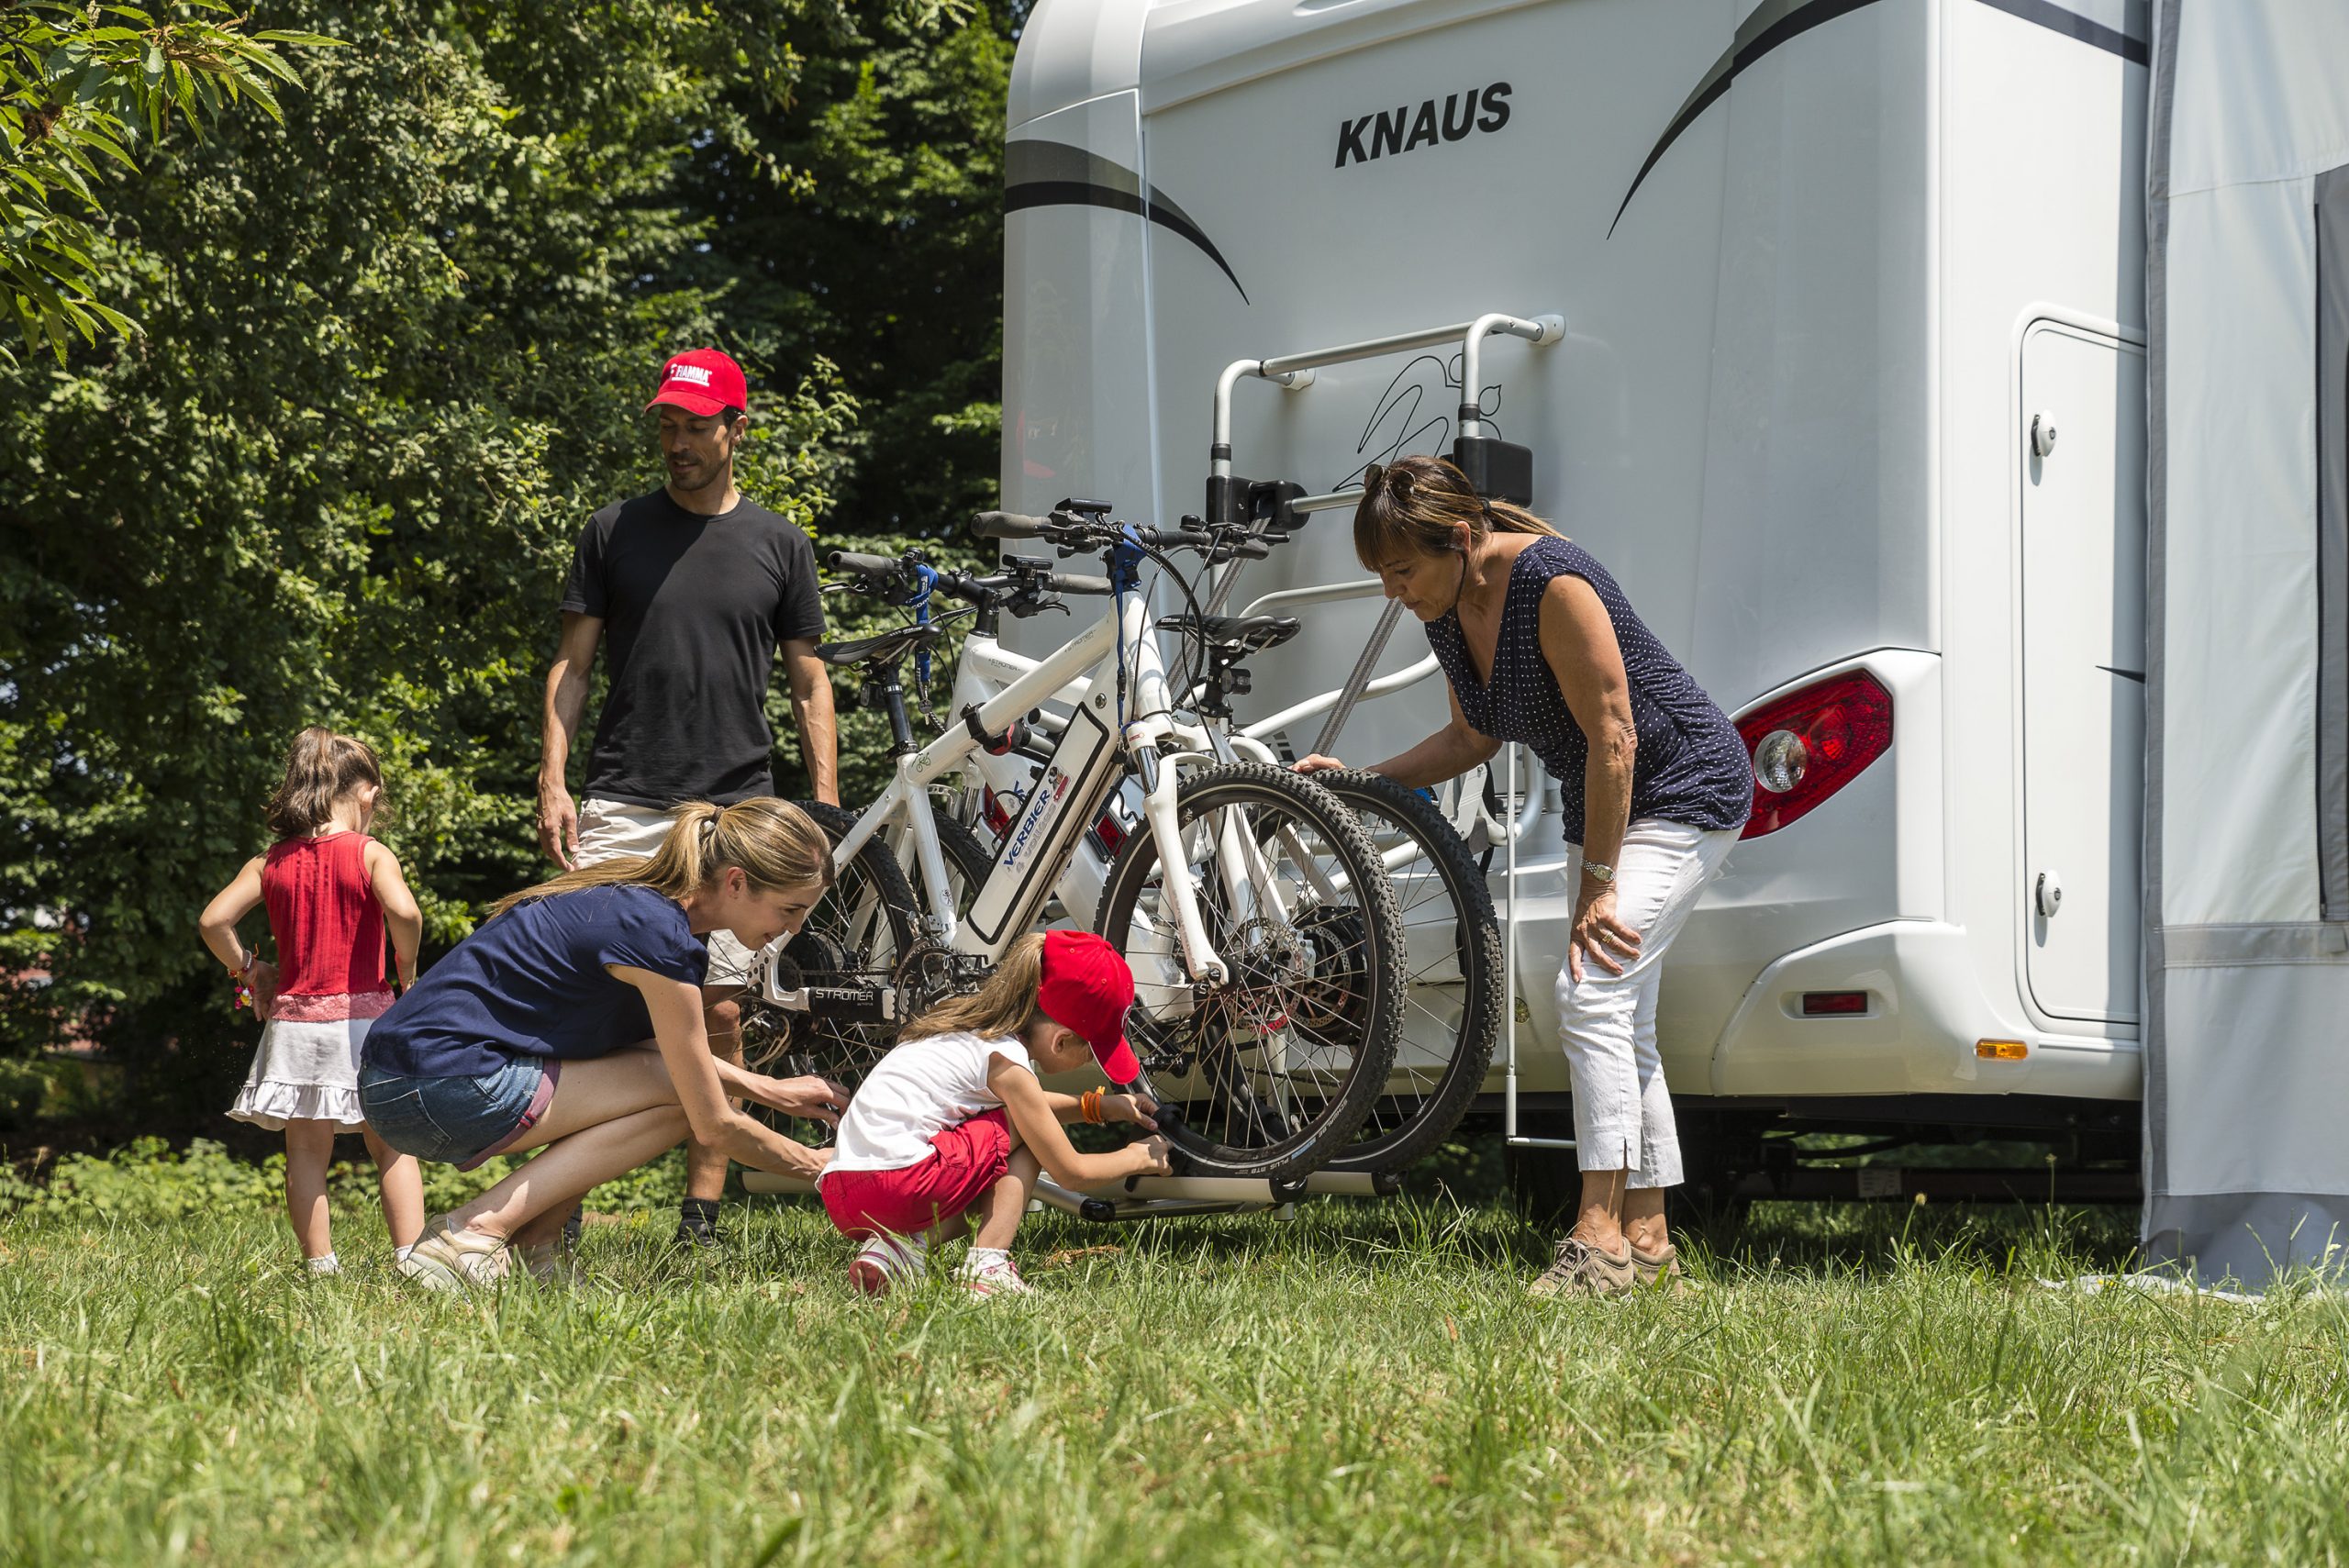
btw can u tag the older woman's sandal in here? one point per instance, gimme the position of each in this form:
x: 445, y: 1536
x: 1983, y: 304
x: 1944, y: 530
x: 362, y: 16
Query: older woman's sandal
x: 1581, y: 1270
x: 1660, y: 1269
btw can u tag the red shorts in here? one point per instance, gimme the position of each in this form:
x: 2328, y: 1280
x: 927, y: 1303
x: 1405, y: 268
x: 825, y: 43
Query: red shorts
x: 971, y: 1157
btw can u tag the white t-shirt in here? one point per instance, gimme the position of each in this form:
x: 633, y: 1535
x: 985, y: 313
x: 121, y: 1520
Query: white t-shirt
x: 920, y: 1089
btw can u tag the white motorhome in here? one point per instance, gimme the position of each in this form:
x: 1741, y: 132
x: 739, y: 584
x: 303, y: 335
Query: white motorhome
x: 1849, y: 396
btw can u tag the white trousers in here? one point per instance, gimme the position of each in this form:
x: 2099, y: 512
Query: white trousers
x: 1607, y: 1022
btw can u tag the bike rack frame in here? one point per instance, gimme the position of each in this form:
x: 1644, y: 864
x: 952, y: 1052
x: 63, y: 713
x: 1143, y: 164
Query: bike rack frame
x: 1154, y: 1197
x: 1295, y: 373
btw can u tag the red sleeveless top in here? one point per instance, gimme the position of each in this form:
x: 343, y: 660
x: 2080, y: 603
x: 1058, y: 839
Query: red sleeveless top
x: 330, y: 930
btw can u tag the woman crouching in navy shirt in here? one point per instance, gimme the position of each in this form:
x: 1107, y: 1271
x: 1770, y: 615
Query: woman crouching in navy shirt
x: 521, y: 1038
x: 1539, y: 645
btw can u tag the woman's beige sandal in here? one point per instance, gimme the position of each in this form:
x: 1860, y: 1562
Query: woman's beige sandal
x: 1581, y: 1270
x: 1660, y: 1269
x: 444, y: 1259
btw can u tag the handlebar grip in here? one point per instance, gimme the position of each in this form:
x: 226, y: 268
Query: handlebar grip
x: 872, y: 566
x: 1060, y: 582
x: 1251, y: 549
x: 1008, y: 525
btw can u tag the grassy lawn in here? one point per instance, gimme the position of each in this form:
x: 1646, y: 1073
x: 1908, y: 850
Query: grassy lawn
x: 1363, y: 1384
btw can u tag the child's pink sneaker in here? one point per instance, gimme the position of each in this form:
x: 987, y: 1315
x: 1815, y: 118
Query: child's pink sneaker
x: 995, y: 1275
x: 885, y: 1261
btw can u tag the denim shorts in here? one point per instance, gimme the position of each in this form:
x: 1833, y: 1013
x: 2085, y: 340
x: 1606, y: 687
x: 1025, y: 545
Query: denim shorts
x: 458, y: 1122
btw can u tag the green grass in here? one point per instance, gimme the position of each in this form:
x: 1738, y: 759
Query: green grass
x: 1363, y: 1384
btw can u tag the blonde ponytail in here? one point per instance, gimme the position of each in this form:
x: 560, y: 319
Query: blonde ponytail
x: 773, y: 841
x: 1004, y: 1006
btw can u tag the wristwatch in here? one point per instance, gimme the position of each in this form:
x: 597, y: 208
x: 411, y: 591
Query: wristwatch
x: 1602, y: 874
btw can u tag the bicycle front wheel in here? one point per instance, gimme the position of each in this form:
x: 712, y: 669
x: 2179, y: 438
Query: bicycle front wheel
x: 1275, y: 1067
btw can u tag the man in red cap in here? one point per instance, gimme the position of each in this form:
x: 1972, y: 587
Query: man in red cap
x: 694, y: 591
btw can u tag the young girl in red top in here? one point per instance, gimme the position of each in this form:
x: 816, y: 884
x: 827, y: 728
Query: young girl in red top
x: 332, y: 892
x: 952, y: 1122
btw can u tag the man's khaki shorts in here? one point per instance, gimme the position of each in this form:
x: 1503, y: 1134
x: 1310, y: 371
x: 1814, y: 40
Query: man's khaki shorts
x: 608, y: 828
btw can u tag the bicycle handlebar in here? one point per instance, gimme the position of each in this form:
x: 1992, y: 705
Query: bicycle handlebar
x: 1008, y: 525
x: 1061, y: 583
x: 874, y: 568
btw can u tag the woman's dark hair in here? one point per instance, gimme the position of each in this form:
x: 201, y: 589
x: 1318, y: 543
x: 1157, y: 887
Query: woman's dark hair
x: 1415, y: 505
x: 321, y: 767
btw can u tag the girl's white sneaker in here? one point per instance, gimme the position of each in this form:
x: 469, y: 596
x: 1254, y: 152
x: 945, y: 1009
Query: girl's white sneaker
x: 885, y: 1261
x: 994, y: 1276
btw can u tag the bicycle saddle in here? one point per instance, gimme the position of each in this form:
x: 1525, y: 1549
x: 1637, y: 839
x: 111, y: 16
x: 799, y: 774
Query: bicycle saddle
x: 886, y: 647
x: 1248, y: 634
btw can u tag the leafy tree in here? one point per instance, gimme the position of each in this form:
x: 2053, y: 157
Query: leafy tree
x: 78, y: 85
x: 393, y: 357
x: 891, y: 262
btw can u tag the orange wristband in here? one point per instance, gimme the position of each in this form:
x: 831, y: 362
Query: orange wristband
x: 1088, y: 1104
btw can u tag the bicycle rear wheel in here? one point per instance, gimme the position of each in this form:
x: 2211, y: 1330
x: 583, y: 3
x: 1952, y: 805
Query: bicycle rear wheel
x: 1452, y: 980
x: 1275, y: 1068
x: 855, y: 942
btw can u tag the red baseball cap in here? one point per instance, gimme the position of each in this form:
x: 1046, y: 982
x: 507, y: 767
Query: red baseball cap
x: 1088, y: 988
x: 703, y: 382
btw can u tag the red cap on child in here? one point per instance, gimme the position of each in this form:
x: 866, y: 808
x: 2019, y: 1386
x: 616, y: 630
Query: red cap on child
x: 1088, y: 988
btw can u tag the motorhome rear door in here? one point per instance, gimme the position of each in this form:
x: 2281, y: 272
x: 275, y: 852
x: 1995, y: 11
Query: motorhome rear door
x: 2083, y: 652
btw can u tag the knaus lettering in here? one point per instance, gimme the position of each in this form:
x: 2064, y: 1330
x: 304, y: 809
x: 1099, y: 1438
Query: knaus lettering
x: 1402, y: 131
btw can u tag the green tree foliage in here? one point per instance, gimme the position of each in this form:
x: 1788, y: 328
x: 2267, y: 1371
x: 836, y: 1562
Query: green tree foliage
x: 891, y: 263
x: 79, y: 84
x: 393, y: 355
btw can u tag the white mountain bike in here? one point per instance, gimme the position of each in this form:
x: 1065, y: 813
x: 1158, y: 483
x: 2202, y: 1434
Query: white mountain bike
x: 1257, y: 916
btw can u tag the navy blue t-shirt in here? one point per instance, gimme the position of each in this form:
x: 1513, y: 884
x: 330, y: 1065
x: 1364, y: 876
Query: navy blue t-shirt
x: 532, y: 983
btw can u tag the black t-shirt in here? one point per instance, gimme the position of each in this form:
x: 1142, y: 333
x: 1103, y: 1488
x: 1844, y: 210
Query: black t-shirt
x: 692, y: 607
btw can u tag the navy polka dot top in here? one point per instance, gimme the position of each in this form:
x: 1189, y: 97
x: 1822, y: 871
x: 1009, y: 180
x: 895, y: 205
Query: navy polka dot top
x: 1692, y: 766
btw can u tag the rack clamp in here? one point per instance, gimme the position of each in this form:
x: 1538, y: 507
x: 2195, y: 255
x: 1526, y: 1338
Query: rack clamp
x: 1268, y: 502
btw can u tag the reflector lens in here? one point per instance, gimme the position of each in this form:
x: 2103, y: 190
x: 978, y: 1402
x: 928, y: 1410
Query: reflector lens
x: 1811, y: 743
x: 2001, y: 1050
x: 1833, y: 1004
x: 1110, y: 833
x: 1779, y: 760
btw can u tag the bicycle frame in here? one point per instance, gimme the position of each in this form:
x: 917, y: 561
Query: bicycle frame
x: 1083, y: 672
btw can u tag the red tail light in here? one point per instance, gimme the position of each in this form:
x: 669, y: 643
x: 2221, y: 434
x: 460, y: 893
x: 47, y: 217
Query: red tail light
x: 1807, y: 745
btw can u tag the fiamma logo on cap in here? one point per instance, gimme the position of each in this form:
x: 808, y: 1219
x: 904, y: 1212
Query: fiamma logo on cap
x: 697, y: 374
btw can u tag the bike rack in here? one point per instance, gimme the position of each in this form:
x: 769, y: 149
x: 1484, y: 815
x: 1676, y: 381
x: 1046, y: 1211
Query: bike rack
x: 1155, y: 1197
x: 1295, y: 373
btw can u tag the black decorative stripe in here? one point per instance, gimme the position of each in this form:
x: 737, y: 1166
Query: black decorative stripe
x: 1050, y: 173
x: 1773, y: 24
x: 2136, y: 675
x: 1765, y: 29
x: 2042, y: 13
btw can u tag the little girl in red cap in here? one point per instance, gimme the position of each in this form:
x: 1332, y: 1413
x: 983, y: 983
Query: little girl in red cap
x: 952, y: 1124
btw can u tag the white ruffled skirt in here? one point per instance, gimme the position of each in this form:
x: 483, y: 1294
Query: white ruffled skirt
x: 306, y: 1067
